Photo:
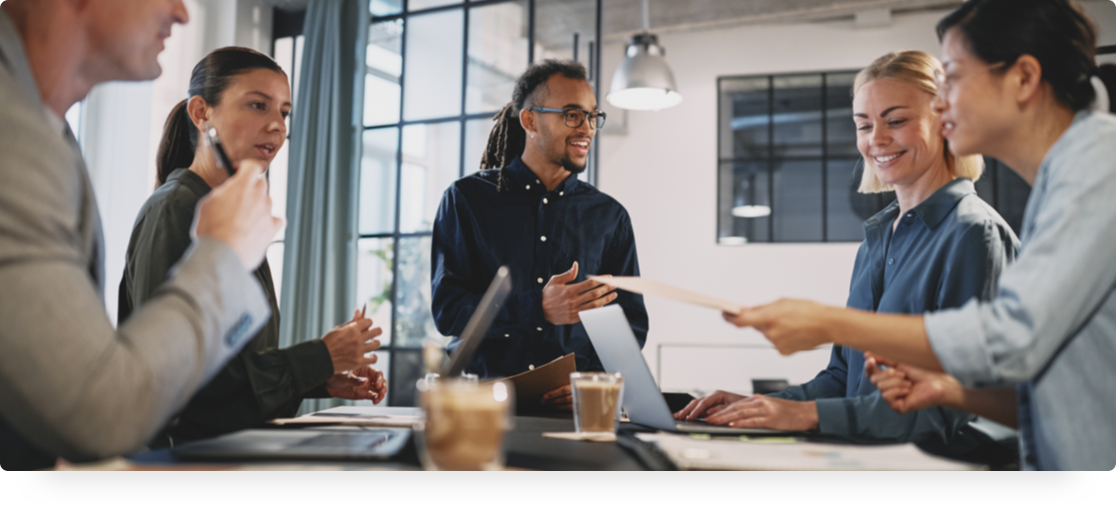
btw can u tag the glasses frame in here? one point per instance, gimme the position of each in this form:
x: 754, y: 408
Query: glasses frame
x: 598, y: 122
x: 941, y: 81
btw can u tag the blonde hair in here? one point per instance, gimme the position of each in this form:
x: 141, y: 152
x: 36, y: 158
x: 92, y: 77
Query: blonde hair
x: 917, y: 69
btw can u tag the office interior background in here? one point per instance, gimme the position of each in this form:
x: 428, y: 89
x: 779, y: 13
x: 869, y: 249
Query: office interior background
x: 765, y: 121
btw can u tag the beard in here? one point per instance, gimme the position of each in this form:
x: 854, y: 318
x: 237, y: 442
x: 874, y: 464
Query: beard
x: 572, y: 167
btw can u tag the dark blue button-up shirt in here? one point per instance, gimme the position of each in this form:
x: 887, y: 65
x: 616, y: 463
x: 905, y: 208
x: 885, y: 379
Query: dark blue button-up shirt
x: 537, y: 234
x: 948, y: 249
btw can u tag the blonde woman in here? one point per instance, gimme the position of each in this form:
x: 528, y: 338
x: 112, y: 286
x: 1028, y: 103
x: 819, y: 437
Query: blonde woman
x: 935, y: 247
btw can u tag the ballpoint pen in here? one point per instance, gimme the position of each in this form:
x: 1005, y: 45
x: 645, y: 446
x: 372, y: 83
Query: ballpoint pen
x: 214, y: 143
x: 350, y: 374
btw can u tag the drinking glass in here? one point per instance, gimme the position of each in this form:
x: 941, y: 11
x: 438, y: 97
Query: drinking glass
x: 464, y: 423
x: 596, y: 401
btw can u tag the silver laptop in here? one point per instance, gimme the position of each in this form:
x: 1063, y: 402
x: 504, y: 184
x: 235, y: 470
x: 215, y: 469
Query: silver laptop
x: 365, y: 443
x: 618, y: 350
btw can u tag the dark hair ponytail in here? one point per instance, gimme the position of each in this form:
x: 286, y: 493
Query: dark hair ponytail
x: 508, y: 138
x: 1056, y: 32
x: 176, y: 150
x: 209, y: 80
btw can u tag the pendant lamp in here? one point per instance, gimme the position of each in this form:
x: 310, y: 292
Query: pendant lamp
x: 644, y: 81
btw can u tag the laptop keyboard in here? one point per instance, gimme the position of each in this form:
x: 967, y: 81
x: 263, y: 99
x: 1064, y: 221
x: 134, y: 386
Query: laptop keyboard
x: 339, y: 440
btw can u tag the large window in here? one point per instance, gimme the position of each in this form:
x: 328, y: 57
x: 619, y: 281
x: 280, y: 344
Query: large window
x: 789, y: 166
x: 437, y: 71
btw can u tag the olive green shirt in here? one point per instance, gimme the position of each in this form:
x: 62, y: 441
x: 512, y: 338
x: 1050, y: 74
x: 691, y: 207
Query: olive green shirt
x: 263, y: 382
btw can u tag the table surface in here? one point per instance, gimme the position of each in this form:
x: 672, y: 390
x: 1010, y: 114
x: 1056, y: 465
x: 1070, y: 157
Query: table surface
x: 525, y: 448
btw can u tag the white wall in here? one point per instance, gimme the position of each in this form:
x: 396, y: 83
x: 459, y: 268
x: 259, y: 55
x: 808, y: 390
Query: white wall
x: 664, y: 171
x: 123, y: 122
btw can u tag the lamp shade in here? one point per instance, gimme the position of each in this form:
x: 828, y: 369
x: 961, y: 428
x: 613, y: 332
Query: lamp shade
x: 644, y: 81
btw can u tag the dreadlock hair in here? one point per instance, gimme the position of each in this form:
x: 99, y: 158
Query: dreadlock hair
x: 508, y: 138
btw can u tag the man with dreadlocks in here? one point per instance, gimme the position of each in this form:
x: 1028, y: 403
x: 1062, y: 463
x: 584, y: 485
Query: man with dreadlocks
x: 526, y: 209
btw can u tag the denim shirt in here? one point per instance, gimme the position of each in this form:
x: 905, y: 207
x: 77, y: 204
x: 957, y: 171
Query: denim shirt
x: 1051, y: 329
x: 946, y: 250
x: 537, y: 234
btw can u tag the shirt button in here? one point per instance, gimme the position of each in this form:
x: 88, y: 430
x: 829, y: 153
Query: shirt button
x: 543, y: 238
x: 537, y: 181
x: 540, y: 329
x: 506, y: 335
x: 890, y: 261
x: 528, y: 186
x: 530, y: 367
x: 544, y: 201
x: 540, y: 280
x: 560, y: 193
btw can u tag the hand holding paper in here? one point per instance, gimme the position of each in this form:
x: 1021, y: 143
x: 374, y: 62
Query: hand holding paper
x: 645, y: 286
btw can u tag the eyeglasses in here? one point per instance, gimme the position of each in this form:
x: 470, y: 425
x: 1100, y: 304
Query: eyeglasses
x: 574, y: 118
x: 944, y: 82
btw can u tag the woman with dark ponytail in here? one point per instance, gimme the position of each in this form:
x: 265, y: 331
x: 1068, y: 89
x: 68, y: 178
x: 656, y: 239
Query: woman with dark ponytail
x: 1020, y: 84
x: 246, y: 97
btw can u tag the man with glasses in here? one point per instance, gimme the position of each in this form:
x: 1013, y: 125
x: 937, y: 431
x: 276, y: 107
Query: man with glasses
x: 529, y: 211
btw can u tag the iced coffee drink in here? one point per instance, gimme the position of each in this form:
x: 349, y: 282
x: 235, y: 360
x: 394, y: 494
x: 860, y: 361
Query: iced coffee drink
x: 465, y: 424
x: 596, y: 400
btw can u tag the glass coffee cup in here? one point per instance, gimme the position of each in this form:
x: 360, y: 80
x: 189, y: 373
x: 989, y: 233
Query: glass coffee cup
x: 465, y: 422
x: 596, y: 401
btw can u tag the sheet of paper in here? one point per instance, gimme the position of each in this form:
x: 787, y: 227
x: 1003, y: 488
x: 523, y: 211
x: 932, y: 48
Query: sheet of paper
x: 646, y: 286
x: 401, y: 417
x: 532, y: 384
x: 690, y: 453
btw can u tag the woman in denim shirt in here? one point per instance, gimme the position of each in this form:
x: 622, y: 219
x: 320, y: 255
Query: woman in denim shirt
x: 936, y: 246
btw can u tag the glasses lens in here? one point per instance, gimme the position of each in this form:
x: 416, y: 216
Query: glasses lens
x: 574, y: 118
x: 600, y: 119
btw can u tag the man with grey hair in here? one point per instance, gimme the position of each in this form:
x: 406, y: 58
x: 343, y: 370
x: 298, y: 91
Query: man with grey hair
x: 71, y: 385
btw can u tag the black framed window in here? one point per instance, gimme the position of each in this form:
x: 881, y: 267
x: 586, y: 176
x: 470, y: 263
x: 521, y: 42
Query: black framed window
x: 788, y: 165
x: 437, y: 72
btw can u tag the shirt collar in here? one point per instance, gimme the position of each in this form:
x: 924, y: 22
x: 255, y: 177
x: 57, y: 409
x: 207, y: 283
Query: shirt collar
x: 523, y: 179
x: 934, y: 209
x: 13, y: 56
x: 931, y: 211
x: 188, y: 178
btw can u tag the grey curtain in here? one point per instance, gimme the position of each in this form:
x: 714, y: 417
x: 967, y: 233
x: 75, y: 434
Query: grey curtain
x: 319, y: 262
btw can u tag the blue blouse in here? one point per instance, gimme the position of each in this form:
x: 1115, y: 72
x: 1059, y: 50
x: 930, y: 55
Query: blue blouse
x: 948, y: 249
x: 537, y: 234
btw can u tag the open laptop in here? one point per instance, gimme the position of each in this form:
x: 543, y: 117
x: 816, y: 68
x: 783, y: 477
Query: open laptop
x: 475, y: 330
x: 348, y: 442
x: 618, y: 350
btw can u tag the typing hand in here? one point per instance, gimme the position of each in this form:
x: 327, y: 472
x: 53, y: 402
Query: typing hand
x: 792, y: 325
x: 365, y: 383
x: 708, y: 405
x: 561, y: 398
x: 760, y: 411
x: 562, y: 301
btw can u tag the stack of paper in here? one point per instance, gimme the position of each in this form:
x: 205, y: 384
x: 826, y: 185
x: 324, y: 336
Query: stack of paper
x: 399, y: 417
x: 690, y: 453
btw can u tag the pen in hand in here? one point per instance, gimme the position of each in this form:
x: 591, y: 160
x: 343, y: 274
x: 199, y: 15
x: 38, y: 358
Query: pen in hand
x: 350, y: 374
